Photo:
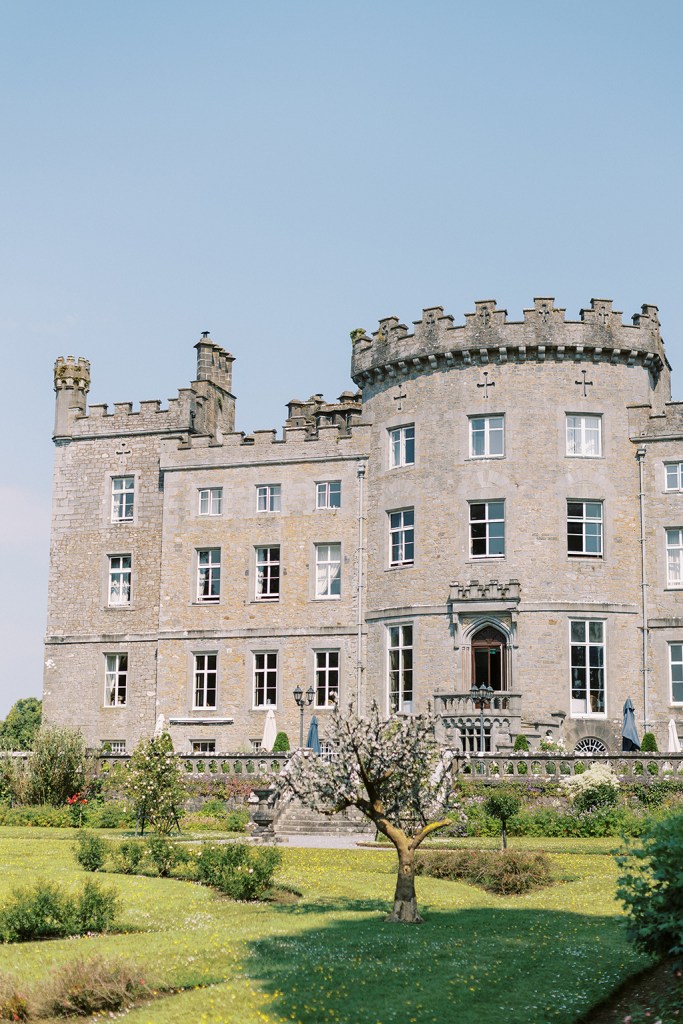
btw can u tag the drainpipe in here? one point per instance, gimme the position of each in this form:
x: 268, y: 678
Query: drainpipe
x: 640, y: 456
x: 360, y: 473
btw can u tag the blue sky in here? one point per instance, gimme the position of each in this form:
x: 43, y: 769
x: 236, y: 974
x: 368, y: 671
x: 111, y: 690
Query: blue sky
x: 280, y: 173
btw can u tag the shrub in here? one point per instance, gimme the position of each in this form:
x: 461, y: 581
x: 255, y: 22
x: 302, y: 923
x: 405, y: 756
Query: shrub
x: 91, y: 851
x: 598, y: 797
x: 97, y: 986
x: 129, y: 855
x: 215, y: 807
x: 58, y: 766
x: 155, y: 786
x: 521, y: 743
x: 240, y: 871
x: 651, y: 888
x: 649, y: 743
x: 14, y: 1005
x: 281, y: 743
x: 165, y: 855
x: 505, y: 872
x: 40, y: 816
x: 47, y: 911
x: 110, y: 815
x: 597, y: 787
x: 502, y: 804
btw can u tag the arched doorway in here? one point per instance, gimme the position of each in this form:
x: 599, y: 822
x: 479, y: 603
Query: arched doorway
x: 488, y: 658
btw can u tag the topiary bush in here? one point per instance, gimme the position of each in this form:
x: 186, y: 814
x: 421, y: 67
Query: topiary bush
x: 651, y: 888
x: 521, y: 743
x: 240, y: 871
x: 47, y: 911
x: 91, y: 851
x: 649, y: 743
x: 502, y: 804
x: 281, y: 743
x: 505, y: 873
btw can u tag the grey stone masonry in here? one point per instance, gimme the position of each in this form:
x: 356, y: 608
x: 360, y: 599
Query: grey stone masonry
x: 499, y: 503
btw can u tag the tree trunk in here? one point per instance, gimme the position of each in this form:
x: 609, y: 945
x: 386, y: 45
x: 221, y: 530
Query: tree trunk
x: 405, y: 901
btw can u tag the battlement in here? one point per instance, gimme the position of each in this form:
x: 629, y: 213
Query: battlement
x: 488, y: 336
x: 207, y: 406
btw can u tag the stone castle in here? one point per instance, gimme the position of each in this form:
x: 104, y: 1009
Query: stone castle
x: 499, y: 503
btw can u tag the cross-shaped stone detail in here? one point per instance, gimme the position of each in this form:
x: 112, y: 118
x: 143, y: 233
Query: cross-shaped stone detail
x: 544, y: 314
x: 124, y: 449
x: 485, y: 317
x: 584, y: 383
x: 487, y: 384
x: 399, y: 398
x: 603, y: 315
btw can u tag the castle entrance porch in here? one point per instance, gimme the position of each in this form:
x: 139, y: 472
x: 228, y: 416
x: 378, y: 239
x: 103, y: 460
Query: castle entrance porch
x: 488, y: 658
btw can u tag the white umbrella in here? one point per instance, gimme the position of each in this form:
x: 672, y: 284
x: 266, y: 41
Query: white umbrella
x: 674, y: 742
x: 269, y: 731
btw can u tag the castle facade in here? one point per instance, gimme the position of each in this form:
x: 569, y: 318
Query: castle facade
x: 500, y: 504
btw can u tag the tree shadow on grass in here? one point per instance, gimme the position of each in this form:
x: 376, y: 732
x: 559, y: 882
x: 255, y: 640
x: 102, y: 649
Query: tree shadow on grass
x: 484, y: 966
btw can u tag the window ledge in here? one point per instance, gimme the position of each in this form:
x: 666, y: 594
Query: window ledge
x: 403, y: 565
x: 589, y: 716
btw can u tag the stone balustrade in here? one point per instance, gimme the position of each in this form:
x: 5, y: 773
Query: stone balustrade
x: 456, y: 705
x: 531, y: 768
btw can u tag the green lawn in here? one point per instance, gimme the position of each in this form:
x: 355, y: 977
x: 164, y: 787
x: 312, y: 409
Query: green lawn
x: 533, y: 959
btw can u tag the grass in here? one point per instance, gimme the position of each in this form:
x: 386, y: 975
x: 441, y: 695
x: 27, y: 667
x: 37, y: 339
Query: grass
x: 536, y: 959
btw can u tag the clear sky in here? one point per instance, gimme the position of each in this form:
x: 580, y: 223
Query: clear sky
x: 282, y: 172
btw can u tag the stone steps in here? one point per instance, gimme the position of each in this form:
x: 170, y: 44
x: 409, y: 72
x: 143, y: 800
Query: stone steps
x: 295, y: 819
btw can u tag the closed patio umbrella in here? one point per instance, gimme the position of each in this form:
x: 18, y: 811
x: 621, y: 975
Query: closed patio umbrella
x: 674, y: 742
x: 312, y: 740
x: 629, y: 733
x: 269, y: 731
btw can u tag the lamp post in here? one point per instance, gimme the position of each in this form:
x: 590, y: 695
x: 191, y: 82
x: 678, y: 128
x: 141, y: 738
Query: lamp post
x: 303, y: 700
x: 481, y: 695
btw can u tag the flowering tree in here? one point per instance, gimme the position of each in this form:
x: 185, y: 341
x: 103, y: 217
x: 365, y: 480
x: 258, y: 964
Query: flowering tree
x: 394, y: 772
x: 154, y: 784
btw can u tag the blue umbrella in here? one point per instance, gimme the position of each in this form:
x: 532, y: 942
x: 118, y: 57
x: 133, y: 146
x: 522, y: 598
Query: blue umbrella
x: 312, y: 740
x: 629, y: 733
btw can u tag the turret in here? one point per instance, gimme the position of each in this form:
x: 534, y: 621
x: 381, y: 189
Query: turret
x: 72, y: 383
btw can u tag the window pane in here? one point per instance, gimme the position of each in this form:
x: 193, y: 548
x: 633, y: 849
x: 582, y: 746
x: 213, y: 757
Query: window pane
x: 496, y: 509
x: 595, y: 632
x: 578, y: 631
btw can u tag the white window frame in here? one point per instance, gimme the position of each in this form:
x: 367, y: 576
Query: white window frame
x: 265, y: 679
x: 204, y: 680
x: 268, y: 573
x: 203, y: 746
x: 328, y: 494
x: 210, y: 501
x: 328, y: 563
x: 489, y: 433
x: 123, y: 498
x: 589, y: 643
x: 580, y: 435
x: 115, y: 746
x: 674, y: 557
x: 116, y: 679
x: 119, y: 581
x: 673, y: 476
x: 402, y: 446
x: 588, y: 523
x: 492, y: 535
x: 327, y: 677
x: 401, y: 537
x: 676, y: 668
x: 400, y: 666
x: 269, y: 497
x: 208, y: 575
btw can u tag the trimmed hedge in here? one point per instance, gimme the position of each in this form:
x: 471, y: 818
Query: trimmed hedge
x: 504, y: 872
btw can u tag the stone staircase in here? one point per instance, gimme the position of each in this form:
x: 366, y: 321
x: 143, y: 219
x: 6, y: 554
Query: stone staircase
x: 292, y: 818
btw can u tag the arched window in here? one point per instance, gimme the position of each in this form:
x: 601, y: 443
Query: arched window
x: 488, y: 658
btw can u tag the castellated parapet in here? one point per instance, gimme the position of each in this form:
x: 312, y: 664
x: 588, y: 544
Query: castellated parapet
x: 206, y: 407
x: 488, y: 337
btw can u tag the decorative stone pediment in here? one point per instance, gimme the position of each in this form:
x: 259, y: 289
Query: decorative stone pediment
x: 493, y: 590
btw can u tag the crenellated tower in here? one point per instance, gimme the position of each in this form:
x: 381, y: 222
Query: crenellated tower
x: 72, y: 383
